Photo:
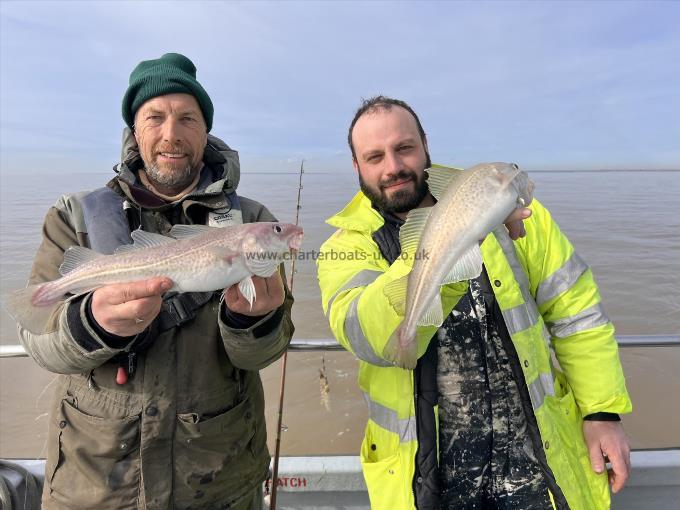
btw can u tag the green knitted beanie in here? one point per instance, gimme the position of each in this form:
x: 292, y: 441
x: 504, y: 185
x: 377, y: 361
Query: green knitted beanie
x: 171, y: 74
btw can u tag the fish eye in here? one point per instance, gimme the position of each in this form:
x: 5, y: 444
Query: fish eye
x: 515, y: 166
x: 278, y: 229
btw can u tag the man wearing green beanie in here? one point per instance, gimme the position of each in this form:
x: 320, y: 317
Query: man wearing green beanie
x: 159, y: 402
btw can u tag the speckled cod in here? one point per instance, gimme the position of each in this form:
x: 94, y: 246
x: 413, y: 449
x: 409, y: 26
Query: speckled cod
x: 443, y: 243
x: 196, y: 258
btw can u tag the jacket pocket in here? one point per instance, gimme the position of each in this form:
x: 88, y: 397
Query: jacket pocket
x: 384, y: 471
x: 93, y: 462
x: 567, y: 452
x: 216, y: 458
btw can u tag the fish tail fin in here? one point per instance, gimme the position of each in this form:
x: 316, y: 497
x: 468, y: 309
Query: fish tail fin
x: 402, y: 348
x: 32, y: 307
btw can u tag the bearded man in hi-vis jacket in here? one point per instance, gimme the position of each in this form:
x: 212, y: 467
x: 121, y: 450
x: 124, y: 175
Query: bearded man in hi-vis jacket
x: 486, y: 419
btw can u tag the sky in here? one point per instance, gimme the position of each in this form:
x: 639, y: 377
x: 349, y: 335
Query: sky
x: 548, y: 85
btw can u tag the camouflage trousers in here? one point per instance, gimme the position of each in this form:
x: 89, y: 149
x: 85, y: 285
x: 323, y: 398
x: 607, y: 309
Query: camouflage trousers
x: 486, y: 457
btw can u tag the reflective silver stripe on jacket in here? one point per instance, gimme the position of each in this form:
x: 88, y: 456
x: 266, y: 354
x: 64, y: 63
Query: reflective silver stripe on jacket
x: 542, y: 386
x: 360, y: 346
x: 361, y: 279
x: 522, y: 316
x: 561, y: 280
x: 518, y: 318
x: 387, y: 418
x: 587, y: 319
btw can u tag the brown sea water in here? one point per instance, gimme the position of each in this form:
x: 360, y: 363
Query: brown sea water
x: 626, y: 225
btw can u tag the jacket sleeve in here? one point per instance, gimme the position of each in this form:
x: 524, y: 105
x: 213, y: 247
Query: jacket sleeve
x: 352, y: 277
x: 57, y: 348
x: 569, y: 301
x: 265, y: 341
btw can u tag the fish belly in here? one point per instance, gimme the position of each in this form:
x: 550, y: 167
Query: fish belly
x: 213, y: 279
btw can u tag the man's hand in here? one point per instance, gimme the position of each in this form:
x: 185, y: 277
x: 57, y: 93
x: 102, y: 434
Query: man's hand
x: 269, y: 296
x: 515, y: 222
x: 126, y: 309
x: 608, y: 438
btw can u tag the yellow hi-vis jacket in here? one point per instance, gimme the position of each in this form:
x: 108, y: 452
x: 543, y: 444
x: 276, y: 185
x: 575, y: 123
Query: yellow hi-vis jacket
x: 548, y: 299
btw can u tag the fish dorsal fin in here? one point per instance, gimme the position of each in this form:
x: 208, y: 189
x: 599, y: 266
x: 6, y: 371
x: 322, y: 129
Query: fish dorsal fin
x: 125, y: 248
x: 438, y: 179
x: 142, y: 239
x: 185, y: 231
x: 433, y: 316
x: 469, y: 266
x: 410, y: 232
x: 76, y: 256
x: 395, y: 292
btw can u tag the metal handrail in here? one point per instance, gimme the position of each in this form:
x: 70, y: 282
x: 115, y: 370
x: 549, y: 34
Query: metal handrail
x: 325, y: 344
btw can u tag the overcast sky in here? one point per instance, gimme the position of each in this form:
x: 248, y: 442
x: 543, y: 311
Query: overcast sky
x: 548, y: 85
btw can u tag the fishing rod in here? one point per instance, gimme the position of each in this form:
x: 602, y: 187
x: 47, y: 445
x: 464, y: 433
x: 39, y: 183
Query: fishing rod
x: 275, y: 475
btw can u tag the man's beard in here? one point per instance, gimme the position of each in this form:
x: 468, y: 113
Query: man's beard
x: 170, y: 176
x: 175, y: 178
x: 400, y: 201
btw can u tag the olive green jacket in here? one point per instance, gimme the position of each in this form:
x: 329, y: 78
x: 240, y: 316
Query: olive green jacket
x: 188, y: 429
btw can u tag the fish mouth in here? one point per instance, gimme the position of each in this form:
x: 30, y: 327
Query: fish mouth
x: 525, y: 189
x: 295, y: 241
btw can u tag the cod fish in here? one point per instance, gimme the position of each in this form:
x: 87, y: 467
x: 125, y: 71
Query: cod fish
x: 443, y: 242
x: 196, y: 258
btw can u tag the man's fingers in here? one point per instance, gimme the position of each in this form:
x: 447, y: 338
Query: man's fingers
x: 515, y: 222
x: 620, y: 468
x: 144, y: 309
x: 125, y: 309
x: 269, y: 296
x: 275, y: 287
x: 519, y: 214
x: 596, y: 458
x: 141, y: 289
x: 232, y: 295
x: 120, y: 293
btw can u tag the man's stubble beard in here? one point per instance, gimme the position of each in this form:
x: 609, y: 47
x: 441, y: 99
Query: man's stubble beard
x: 174, y: 178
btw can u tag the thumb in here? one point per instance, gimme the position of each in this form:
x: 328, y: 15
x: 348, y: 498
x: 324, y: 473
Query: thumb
x: 596, y: 458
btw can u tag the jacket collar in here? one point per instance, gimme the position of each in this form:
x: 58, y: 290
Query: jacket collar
x: 358, y: 215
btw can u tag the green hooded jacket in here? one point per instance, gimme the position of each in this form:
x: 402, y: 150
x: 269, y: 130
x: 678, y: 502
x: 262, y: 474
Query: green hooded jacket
x: 187, y: 430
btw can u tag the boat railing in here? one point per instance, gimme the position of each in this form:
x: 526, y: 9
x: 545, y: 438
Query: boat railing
x: 336, y: 481
x: 327, y: 344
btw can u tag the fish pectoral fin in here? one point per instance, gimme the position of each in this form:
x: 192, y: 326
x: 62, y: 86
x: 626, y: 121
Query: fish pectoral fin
x: 433, y: 316
x: 221, y: 253
x: 185, y: 231
x: 401, y: 349
x: 468, y: 266
x: 142, y: 239
x: 76, y: 256
x: 412, y: 229
x: 247, y: 288
x: 395, y: 291
x: 438, y: 179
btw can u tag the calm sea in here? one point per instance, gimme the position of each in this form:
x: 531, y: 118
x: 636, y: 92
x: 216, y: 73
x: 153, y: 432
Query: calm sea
x: 626, y: 225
